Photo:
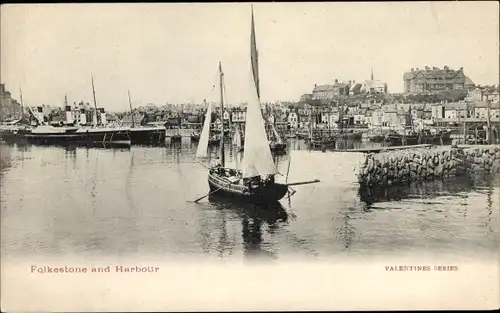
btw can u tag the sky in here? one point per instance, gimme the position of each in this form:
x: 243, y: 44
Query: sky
x: 169, y: 53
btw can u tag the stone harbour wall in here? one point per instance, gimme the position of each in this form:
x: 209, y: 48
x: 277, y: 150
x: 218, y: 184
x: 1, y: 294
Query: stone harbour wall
x: 440, y: 162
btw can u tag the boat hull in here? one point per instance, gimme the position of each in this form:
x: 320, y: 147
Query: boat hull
x: 147, y: 135
x: 278, y: 148
x: 121, y: 137
x: 412, y: 140
x: 195, y: 138
x: 176, y: 138
x: 263, y: 194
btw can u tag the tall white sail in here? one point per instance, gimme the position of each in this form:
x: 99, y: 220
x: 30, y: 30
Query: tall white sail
x: 257, y: 158
x: 202, y: 149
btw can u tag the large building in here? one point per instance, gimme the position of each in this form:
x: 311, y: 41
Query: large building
x: 327, y: 93
x: 435, y: 79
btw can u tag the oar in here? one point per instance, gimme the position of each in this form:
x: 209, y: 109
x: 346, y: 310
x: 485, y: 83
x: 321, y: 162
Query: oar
x: 304, y: 182
x: 208, y: 194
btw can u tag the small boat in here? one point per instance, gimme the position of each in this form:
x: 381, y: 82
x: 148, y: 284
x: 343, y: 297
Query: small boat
x: 254, y: 182
x: 322, y: 142
x: 195, y: 137
x: 214, y: 140
x: 13, y: 133
x: 415, y: 138
x: 176, y: 137
x: 145, y: 134
x: 277, y: 147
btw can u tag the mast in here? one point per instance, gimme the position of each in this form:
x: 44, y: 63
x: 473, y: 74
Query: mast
x: 22, y: 104
x: 130, y: 105
x: 221, y: 75
x: 95, y: 102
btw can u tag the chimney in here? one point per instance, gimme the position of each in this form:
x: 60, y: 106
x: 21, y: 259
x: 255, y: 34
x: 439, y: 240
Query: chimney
x: 69, y: 114
x: 103, y: 116
x: 461, y: 69
x: 83, y: 117
x: 417, y: 68
x: 412, y: 69
x: 336, y: 81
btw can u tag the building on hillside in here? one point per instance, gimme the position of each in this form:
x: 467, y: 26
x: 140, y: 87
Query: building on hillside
x: 435, y: 79
x: 493, y: 97
x: 481, y: 110
x: 354, y: 89
x: 326, y: 93
x: 373, y: 86
x: 306, y: 97
x: 457, y: 110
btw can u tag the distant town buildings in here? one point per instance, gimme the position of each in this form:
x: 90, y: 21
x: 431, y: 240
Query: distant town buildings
x: 372, y: 86
x: 482, y: 94
x: 9, y: 107
x: 435, y: 79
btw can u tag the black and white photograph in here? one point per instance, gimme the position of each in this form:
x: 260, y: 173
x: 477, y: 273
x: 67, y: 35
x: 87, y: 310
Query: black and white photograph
x: 249, y: 156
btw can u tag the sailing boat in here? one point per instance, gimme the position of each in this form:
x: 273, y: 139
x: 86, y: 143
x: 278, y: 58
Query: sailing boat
x: 317, y: 140
x: 254, y: 182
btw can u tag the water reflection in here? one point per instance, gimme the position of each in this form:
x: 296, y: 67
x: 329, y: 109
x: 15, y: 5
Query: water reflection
x: 418, y: 189
x: 133, y: 201
x: 253, y: 220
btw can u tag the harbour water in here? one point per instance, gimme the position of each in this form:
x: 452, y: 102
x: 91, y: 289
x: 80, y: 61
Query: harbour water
x: 77, y: 201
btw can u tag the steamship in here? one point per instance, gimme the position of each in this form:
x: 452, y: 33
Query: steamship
x: 77, y: 130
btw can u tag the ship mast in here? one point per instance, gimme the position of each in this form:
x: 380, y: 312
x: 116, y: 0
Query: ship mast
x: 221, y: 75
x: 95, y: 102
x: 131, y: 113
x: 22, y: 105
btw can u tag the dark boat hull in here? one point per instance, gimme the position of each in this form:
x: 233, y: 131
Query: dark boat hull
x: 263, y: 194
x: 195, y: 138
x: 278, y: 148
x: 416, y: 139
x: 105, y: 136
x: 9, y: 136
x: 147, y: 135
x: 176, y: 138
x: 322, y: 142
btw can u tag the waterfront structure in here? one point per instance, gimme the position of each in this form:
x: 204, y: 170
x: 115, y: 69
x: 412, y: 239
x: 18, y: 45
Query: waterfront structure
x: 435, y: 79
x: 238, y: 115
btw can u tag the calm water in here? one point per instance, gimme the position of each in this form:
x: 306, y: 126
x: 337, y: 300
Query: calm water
x: 61, y: 201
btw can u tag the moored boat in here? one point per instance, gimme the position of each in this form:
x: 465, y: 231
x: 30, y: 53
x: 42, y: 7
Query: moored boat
x: 415, y: 138
x: 78, y: 135
x: 147, y: 134
x: 255, y: 181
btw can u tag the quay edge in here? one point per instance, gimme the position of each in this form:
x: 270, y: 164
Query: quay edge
x: 428, y: 163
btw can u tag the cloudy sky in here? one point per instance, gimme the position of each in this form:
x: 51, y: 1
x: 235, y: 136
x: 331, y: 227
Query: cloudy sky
x: 170, y: 52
